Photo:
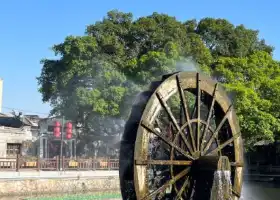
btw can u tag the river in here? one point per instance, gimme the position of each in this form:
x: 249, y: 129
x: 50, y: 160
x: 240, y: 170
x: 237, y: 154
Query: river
x: 260, y: 191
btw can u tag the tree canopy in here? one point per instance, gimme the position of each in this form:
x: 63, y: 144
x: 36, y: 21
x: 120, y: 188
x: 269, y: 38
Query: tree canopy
x: 97, y: 75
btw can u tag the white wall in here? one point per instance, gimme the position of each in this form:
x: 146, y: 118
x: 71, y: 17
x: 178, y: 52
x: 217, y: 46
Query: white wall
x: 13, y: 135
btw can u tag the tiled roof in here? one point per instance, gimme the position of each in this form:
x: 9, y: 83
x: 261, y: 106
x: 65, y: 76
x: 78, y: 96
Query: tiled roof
x: 13, y: 122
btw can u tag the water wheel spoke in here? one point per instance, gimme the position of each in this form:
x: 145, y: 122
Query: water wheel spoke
x: 166, y: 140
x: 209, y: 116
x: 168, y: 183
x: 236, y: 193
x: 171, y: 116
x: 186, y: 111
x: 163, y: 162
x: 186, y: 183
x: 237, y: 164
x: 198, y: 99
x: 220, y: 147
x: 217, y: 130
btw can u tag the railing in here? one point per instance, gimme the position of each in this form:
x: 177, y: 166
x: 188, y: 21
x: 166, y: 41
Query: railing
x: 263, y: 169
x: 21, y: 163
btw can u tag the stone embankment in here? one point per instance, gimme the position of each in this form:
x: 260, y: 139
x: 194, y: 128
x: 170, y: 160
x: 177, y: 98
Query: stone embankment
x: 37, y: 183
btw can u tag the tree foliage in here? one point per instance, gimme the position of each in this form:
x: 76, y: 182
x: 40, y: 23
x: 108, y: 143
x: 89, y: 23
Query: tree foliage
x: 253, y: 81
x: 98, y: 74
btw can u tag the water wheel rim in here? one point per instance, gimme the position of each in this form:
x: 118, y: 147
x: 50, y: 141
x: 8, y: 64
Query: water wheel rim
x: 163, y: 92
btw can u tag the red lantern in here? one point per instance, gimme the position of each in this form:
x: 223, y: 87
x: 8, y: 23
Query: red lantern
x: 68, y: 130
x: 56, y: 130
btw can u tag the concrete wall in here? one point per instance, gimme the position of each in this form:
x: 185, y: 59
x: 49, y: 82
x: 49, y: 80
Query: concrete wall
x: 51, y: 186
x: 71, y: 182
x: 13, y: 135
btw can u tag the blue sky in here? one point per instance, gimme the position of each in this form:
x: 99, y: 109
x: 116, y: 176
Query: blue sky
x: 29, y: 28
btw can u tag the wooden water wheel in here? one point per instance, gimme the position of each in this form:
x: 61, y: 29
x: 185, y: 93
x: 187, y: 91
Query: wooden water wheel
x: 176, y: 130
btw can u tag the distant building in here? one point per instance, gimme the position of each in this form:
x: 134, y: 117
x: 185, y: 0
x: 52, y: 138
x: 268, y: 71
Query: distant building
x: 15, y: 136
x: 48, y: 146
x: 15, y: 132
x: 3, y: 115
x: 34, y: 121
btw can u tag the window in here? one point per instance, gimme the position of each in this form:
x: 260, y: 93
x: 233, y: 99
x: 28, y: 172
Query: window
x: 50, y: 128
x: 13, y: 149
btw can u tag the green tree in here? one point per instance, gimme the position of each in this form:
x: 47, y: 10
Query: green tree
x: 97, y: 75
x: 253, y: 82
x: 224, y: 39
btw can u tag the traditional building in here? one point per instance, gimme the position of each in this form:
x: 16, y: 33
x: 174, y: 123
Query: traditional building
x: 48, y: 146
x: 15, y: 136
x: 15, y: 133
x: 34, y: 121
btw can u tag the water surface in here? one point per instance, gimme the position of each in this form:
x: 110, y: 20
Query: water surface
x: 250, y: 191
x: 260, y: 191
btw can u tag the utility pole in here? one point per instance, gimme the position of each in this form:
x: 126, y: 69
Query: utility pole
x: 61, y: 144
